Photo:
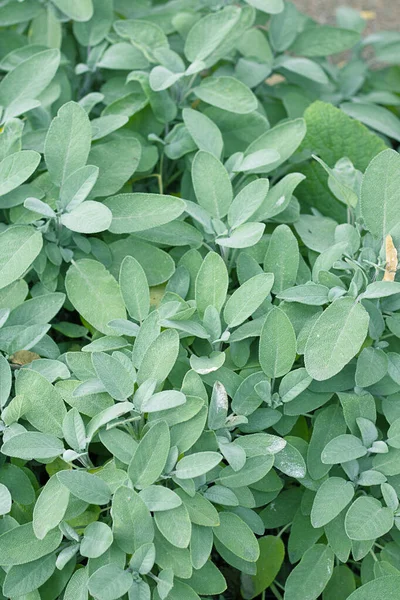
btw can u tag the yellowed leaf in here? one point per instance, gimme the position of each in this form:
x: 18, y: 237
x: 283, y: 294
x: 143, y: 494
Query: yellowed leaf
x: 391, y: 260
x: 275, y: 79
x: 156, y: 294
x: 368, y: 15
x: 23, y: 357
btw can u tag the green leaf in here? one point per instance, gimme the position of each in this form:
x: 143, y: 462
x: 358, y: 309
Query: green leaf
x: 21, y: 86
x: 211, y: 184
x: 211, y: 283
x: 203, y: 130
x: 32, y: 445
x: 303, y: 67
x: 97, y: 538
x: 356, y: 142
x: 77, y: 586
x: 279, y: 196
x: 67, y: 142
x: 175, y: 525
x: 39, y: 394
x: 117, y: 158
x: 272, y: 553
x: 331, y: 498
x: 247, y: 201
x: 283, y: 27
x: 376, y: 117
x: 158, y: 498
x: 323, y: 41
x: 268, y: 6
x: 85, y: 486
x: 293, y: 384
x: 93, y: 31
x: 372, y: 365
x: 343, y: 192
x: 237, y: 537
x: 5, y: 499
x: 336, y: 337
x: 150, y: 456
x: 138, y: 212
x: 144, y: 34
x: 285, y: 138
x: 383, y: 587
x: 110, y: 582
x: 78, y: 10
x: 134, y: 288
x: 19, y: 545
x: 161, y: 78
x: 340, y: 585
x: 197, y: 464
x: 247, y: 298
x: 290, y: 461
x: 244, y: 236
x: 88, y: 217
x: 227, y: 93
x: 5, y: 380
x: 94, y: 293
x: 180, y: 591
x: 208, y: 580
x: 209, y: 32
x: 218, y: 408
x: 160, y: 357
x: 381, y: 289
x: 328, y: 424
x: 132, y: 522
x: 309, y: 578
x: 367, y: 520
x: 394, y: 434
x: 379, y: 193
x: 24, y: 579
x: 201, y: 511
x: 282, y: 258
x: 13, y: 14
x: 50, y: 507
x: 119, y: 443
x: 254, y: 469
x: 342, y: 449
x: 16, y: 168
x: 142, y: 560
x: 78, y: 186
x: 163, y: 401
x: 312, y: 294
x: 19, y: 246
x: 277, y: 351
x: 116, y: 379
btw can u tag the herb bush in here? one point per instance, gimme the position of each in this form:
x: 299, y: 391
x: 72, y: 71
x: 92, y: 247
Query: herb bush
x: 199, y: 318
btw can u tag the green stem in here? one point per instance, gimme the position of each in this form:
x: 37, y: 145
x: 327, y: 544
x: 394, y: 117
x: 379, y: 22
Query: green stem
x: 276, y: 593
x: 283, y: 529
x: 373, y: 555
x: 280, y: 586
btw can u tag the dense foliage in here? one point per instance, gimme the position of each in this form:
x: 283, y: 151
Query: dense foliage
x: 199, y: 312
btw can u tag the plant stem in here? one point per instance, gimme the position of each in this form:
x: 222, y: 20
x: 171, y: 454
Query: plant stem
x: 276, y: 593
x: 283, y: 530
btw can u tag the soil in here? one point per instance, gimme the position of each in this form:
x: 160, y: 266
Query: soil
x: 384, y: 14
